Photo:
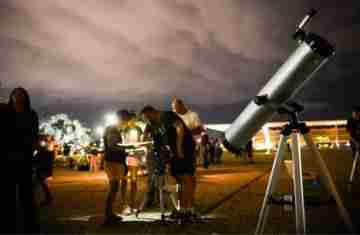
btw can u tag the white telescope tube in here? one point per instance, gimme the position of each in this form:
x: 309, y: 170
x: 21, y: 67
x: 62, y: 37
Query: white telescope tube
x: 312, y: 53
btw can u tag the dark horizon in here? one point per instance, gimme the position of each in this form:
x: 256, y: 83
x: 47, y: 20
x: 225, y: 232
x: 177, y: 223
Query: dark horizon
x: 86, y: 58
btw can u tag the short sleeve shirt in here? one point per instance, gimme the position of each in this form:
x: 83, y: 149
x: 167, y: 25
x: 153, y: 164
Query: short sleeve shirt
x: 132, y: 134
x: 191, y: 120
x: 169, y: 135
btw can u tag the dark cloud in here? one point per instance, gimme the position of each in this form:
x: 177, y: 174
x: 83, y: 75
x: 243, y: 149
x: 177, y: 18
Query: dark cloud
x: 89, y: 56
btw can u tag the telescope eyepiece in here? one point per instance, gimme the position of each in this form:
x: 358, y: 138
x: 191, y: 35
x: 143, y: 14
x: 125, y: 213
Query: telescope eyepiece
x: 300, y: 33
x: 312, y: 12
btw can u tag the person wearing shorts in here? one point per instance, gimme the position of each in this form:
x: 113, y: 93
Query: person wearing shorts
x: 114, y: 166
x: 132, y: 134
x: 178, y: 138
x: 157, y: 177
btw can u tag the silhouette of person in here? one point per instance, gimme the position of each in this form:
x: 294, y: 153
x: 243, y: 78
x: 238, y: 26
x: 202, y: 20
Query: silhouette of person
x: 23, y: 138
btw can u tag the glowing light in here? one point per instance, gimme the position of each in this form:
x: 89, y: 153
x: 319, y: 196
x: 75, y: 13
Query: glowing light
x: 267, y: 139
x: 100, y: 131
x: 110, y: 119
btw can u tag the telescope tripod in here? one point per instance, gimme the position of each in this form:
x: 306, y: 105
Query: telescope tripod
x: 295, y: 128
x: 354, y: 165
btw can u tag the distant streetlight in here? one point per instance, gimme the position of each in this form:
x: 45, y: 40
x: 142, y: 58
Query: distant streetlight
x: 110, y: 119
x: 100, y: 131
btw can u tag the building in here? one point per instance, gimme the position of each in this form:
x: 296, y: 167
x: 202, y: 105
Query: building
x: 326, y: 134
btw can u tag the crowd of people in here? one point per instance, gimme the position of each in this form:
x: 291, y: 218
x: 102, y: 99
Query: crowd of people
x: 175, y: 136
x: 171, y: 143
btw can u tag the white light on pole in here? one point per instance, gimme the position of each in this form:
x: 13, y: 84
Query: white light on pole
x: 110, y: 119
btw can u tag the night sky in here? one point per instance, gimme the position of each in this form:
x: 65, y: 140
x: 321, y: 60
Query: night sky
x: 85, y: 57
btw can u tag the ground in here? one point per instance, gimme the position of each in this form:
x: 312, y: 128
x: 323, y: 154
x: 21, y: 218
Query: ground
x: 228, y: 195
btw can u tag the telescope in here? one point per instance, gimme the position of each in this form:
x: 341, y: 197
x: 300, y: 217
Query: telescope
x: 312, y: 53
x: 276, y: 96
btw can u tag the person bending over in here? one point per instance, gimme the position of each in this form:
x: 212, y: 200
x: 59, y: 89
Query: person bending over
x: 178, y: 138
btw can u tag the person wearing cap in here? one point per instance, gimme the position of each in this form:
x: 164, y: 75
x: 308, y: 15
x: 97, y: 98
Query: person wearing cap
x: 353, y: 127
x: 114, y: 166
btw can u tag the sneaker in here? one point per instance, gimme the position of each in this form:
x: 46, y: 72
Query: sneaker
x: 113, y: 219
x: 175, y: 214
x: 137, y: 213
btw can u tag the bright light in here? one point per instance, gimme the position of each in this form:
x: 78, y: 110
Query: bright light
x: 100, y: 131
x: 267, y: 138
x: 69, y: 129
x: 110, y: 119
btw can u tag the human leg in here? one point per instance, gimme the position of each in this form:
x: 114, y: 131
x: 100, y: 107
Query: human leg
x: 27, y: 200
x: 115, y: 173
x: 133, y: 186
x: 45, y: 187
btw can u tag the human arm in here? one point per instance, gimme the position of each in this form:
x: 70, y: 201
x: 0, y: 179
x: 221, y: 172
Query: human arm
x: 179, y: 139
x: 197, y: 126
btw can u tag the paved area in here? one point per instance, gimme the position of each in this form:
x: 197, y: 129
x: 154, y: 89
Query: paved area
x: 229, y: 196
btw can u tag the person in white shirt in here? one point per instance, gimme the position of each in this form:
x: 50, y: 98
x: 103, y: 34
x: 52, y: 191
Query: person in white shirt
x: 194, y: 124
x: 191, y: 118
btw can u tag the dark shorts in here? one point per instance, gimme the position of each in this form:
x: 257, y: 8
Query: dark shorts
x: 182, y: 167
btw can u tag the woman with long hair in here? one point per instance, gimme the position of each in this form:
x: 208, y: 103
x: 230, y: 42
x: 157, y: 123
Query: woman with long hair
x: 24, y: 131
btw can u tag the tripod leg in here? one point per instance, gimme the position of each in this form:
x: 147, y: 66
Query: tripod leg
x: 330, y: 185
x: 161, y: 183
x: 298, y: 185
x: 354, y: 167
x: 264, y: 213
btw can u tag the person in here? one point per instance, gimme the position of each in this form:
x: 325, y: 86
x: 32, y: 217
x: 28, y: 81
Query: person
x: 189, y: 117
x: 24, y: 134
x: 218, y: 151
x: 212, y: 156
x: 157, y: 170
x: 353, y: 128
x: 191, y: 120
x: 249, y: 152
x: 93, y: 156
x: 132, y: 134
x: 194, y: 124
x: 205, y: 150
x: 8, y: 193
x: 43, y: 164
x: 151, y: 165
x: 177, y: 139
x: 67, y: 149
x: 115, y: 167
